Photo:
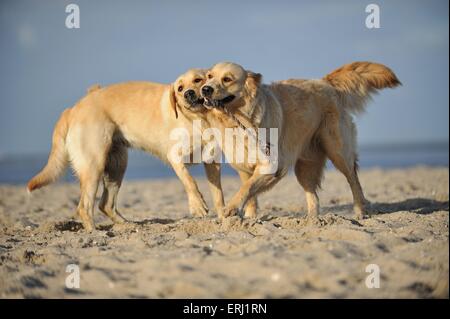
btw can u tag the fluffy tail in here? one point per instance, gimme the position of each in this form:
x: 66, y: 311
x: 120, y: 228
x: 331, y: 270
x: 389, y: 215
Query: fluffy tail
x: 355, y: 82
x: 57, y: 160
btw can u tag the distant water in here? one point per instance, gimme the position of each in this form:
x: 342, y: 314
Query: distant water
x: 15, y: 169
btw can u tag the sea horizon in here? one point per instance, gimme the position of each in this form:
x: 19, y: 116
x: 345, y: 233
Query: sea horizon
x: 19, y: 168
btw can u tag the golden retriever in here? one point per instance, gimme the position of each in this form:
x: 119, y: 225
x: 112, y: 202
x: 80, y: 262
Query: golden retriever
x: 95, y: 133
x: 314, y: 122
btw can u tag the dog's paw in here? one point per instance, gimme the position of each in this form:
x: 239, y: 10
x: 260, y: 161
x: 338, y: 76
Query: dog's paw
x: 219, y: 212
x: 230, y: 211
x: 88, y: 226
x: 198, y: 210
x: 114, y: 215
x: 198, y: 207
x: 250, y: 213
x: 370, y: 209
x: 313, y: 220
x: 361, y: 216
x: 363, y: 212
x: 119, y: 219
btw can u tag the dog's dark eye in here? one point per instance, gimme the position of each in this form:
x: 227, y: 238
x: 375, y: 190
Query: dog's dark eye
x: 180, y: 88
x: 227, y: 79
x: 197, y: 80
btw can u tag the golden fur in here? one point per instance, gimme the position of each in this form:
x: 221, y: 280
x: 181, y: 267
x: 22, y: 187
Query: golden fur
x: 94, y: 136
x: 314, y: 122
x: 313, y: 118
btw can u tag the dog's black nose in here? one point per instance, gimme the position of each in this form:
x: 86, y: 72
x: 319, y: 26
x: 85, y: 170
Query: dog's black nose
x: 207, y: 91
x: 189, y: 94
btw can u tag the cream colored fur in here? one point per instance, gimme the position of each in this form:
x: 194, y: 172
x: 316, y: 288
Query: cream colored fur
x: 94, y: 136
x: 314, y: 122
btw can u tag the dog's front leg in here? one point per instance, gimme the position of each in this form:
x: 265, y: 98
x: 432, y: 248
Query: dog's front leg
x: 251, y: 188
x: 197, y: 205
x: 213, y: 175
x: 252, y: 204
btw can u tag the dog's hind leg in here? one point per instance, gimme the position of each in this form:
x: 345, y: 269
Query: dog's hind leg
x: 338, y: 139
x: 309, y: 174
x: 89, y: 180
x: 116, y: 164
x: 213, y: 175
x: 88, y: 146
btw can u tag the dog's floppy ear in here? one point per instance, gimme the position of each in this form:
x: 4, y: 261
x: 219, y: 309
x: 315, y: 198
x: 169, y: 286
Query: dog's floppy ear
x: 253, y: 82
x: 173, y: 100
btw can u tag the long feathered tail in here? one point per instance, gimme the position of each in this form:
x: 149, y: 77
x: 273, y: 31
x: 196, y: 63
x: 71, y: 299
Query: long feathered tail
x: 357, y: 81
x: 57, y: 160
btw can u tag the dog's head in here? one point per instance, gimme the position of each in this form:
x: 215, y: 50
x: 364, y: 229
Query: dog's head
x: 227, y: 83
x: 185, y: 92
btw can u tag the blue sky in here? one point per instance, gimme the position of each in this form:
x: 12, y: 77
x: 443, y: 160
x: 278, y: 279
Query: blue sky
x: 46, y: 67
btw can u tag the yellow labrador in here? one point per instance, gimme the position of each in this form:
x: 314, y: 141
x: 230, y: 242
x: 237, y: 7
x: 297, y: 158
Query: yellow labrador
x: 94, y: 136
x: 313, y: 118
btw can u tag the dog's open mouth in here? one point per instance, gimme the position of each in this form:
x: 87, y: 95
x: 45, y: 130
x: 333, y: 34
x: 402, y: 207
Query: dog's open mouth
x: 218, y: 103
x: 197, y: 103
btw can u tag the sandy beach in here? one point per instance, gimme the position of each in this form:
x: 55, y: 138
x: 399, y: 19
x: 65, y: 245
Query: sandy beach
x: 165, y: 253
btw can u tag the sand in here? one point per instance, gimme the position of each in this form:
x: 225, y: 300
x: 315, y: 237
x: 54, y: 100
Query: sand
x: 164, y: 253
